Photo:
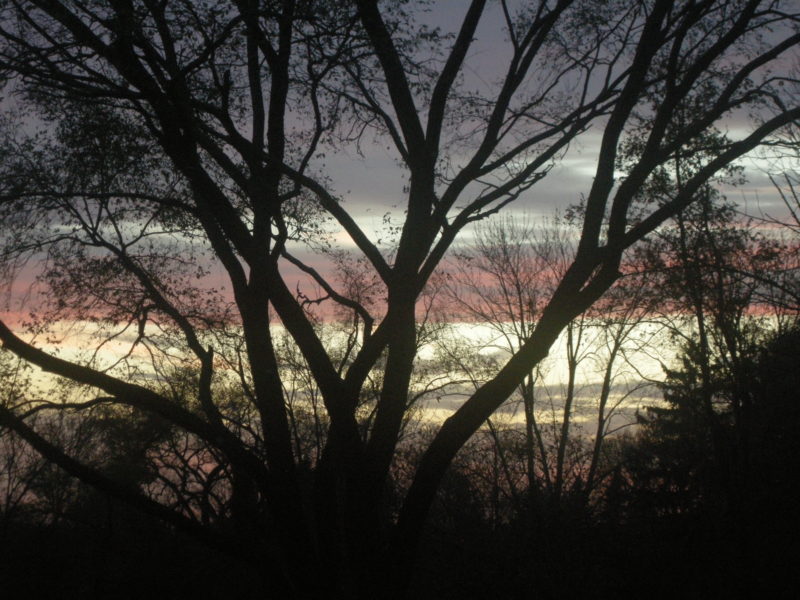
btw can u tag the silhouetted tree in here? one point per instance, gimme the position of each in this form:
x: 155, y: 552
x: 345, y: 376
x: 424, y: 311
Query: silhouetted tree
x: 712, y: 270
x: 501, y: 281
x: 179, y: 167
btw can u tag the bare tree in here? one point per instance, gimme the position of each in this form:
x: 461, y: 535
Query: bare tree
x: 184, y: 140
x: 502, y: 281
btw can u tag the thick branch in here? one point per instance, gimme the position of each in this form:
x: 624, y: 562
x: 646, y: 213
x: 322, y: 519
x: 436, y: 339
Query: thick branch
x: 138, y: 397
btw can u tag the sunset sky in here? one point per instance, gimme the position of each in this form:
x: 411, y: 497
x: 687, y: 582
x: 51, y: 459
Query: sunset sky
x: 370, y: 181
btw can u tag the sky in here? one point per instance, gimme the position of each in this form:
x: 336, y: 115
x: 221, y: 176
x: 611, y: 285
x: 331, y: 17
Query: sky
x: 371, y: 185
